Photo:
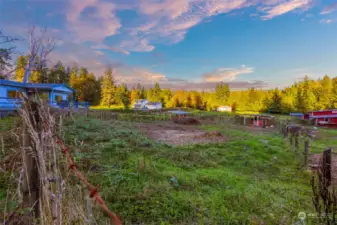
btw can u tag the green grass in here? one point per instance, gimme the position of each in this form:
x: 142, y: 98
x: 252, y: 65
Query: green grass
x: 7, y: 142
x: 253, y: 177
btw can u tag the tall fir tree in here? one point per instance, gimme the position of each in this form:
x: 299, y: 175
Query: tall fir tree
x: 21, y: 68
x: 108, y: 88
x: 222, y: 93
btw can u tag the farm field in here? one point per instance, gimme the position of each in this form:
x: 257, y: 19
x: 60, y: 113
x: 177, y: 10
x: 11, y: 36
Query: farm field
x: 159, y: 172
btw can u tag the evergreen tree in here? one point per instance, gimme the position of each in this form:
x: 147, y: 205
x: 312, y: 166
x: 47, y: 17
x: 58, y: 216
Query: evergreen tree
x: 333, y: 103
x: 21, y: 66
x: 276, y: 100
x: 58, y: 74
x: 108, y: 88
x: 222, y: 93
x: 73, y: 77
x: 122, y: 96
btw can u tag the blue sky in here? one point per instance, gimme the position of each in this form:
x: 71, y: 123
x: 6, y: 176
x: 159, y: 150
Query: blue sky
x: 188, y: 44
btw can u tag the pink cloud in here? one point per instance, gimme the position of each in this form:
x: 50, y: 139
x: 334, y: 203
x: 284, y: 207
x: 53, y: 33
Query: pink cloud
x: 101, y: 23
x: 113, y: 49
x: 324, y: 21
x: 226, y: 74
x: 330, y: 8
x: 284, y: 7
x: 157, y: 21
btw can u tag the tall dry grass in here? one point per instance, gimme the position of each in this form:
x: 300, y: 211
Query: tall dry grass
x: 47, y: 192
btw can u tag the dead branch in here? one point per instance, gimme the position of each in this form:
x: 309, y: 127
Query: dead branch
x: 40, y: 46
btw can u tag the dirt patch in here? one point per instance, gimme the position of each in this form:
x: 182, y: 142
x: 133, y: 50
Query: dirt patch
x: 315, y: 163
x: 176, y: 134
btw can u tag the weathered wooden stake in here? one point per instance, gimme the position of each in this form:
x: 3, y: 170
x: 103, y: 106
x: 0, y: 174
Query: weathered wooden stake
x: 285, y: 131
x: 31, y: 184
x: 327, y: 166
x: 291, y: 139
x: 296, y: 140
x: 306, y: 152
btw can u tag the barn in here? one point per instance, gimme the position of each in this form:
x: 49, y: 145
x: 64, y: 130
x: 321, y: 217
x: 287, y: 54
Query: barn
x: 326, y: 118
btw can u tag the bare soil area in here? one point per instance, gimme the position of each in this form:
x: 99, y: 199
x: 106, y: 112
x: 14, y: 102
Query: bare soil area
x: 177, y: 134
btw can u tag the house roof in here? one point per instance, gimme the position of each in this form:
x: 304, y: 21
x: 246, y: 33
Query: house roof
x: 33, y: 86
x: 324, y: 116
x: 296, y: 114
x: 153, y: 103
x: 178, y: 112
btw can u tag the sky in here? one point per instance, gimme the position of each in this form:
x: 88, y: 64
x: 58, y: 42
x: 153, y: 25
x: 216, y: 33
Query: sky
x: 186, y: 44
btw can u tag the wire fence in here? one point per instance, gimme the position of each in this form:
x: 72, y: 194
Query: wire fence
x: 91, y: 188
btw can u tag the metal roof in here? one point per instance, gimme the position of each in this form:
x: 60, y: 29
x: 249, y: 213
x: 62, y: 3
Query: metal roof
x: 296, y: 114
x: 33, y: 86
x: 178, y: 112
x: 324, y: 116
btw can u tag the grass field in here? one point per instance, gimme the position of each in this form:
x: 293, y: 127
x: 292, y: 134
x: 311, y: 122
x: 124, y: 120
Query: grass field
x: 254, y: 177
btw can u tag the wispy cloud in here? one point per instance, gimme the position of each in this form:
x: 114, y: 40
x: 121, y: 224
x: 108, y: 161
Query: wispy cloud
x: 92, y: 20
x: 139, y: 75
x: 326, y: 21
x: 284, y: 7
x: 104, y: 46
x: 329, y: 9
x: 160, y: 21
x: 205, y: 86
x: 226, y: 74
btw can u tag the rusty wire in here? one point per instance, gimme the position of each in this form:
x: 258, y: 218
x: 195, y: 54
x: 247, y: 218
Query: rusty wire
x: 92, y: 189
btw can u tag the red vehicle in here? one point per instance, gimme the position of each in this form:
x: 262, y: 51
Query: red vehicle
x: 327, y: 117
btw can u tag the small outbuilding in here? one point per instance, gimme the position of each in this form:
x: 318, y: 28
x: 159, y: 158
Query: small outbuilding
x: 178, y: 114
x: 224, y: 109
x: 326, y: 118
x: 256, y: 120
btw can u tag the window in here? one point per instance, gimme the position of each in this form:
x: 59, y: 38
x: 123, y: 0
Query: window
x: 58, y: 98
x: 326, y: 119
x: 13, y: 94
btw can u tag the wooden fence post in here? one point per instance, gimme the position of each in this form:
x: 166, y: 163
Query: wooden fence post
x: 291, y: 138
x: 306, y: 152
x: 31, y: 184
x: 296, y: 140
x: 285, y: 131
x: 327, y: 166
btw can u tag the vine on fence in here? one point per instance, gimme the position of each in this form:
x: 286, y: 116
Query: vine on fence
x: 92, y: 189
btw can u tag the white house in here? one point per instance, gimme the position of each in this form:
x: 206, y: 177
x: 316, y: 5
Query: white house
x: 154, y: 105
x: 224, y: 109
x: 140, y: 104
x: 145, y: 104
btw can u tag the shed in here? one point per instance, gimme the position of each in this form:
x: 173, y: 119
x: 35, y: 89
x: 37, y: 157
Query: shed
x: 327, y: 117
x: 257, y: 120
x: 224, y: 109
x: 178, y: 114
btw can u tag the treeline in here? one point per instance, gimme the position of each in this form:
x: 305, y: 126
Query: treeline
x: 302, y: 96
